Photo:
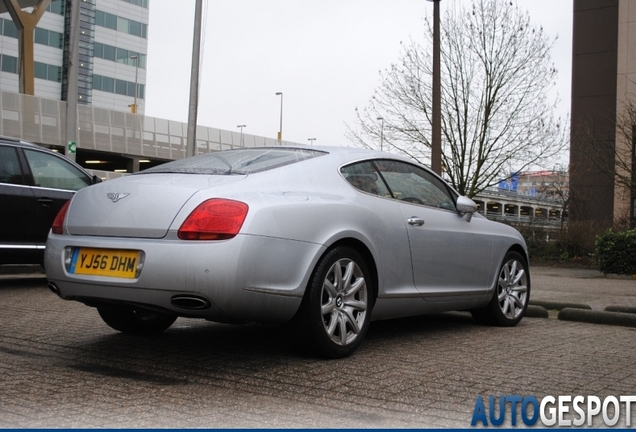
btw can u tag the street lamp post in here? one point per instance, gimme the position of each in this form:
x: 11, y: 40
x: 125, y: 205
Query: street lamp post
x: 311, y: 140
x: 381, y: 132
x: 280, y: 130
x: 436, y: 138
x: 241, y: 128
x: 193, y: 104
x: 136, y: 59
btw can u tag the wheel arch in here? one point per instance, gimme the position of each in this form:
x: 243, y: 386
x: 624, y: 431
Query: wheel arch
x: 363, y: 250
x: 521, y: 250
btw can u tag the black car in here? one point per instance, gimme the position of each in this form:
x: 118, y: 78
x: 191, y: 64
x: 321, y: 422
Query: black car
x: 34, y: 184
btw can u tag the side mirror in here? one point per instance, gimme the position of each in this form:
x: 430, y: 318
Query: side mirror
x: 96, y: 179
x: 466, y: 207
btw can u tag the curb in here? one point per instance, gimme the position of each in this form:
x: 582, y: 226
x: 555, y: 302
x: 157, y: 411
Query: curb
x: 620, y: 276
x: 533, y: 311
x: 555, y: 305
x: 598, y: 317
x: 623, y: 309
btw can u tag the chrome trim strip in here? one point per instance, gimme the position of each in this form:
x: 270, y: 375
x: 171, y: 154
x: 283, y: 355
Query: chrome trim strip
x: 433, y: 294
x: 16, y: 185
x: 399, y: 296
x: 18, y: 246
x: 456, y: 293
x: 42, y: 188
x: 53, y: 189
x: 271, y: 291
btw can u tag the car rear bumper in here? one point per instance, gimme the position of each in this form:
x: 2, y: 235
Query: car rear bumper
x: 252, y: 278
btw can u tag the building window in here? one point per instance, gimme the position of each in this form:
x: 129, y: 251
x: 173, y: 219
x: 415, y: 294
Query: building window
x: 48, y: 72
x: 41, y: 36
x: 9, y: 64
x: 49, y: 38
x: 56, y: 39
x: 108, y: 84
x: 122, y: 87
x: 9, y: 29
x: 40, y: 70
x: 120, y: 24
x: 98, y: 50
x: 97, y: 81
x: 120, y: 55
x: 109, y: 52
x: 110, y: 21
x: 54, y: 73
x: 135, y: 28
x: 142, y: 3
x: 56, y: 7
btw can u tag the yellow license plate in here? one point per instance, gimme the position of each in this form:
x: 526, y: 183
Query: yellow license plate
x: 105, y: 262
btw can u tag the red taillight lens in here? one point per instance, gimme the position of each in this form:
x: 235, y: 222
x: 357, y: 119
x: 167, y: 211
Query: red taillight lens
x: 214, y: 219
x: 58, y: 223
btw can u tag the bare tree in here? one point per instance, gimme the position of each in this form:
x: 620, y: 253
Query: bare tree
x: 557, y: 189
x: 496, y: 116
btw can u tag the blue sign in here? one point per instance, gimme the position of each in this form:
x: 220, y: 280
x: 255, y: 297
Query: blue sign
x: 511, y: 183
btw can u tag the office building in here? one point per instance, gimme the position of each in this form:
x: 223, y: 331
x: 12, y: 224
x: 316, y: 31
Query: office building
x: 113, y: 41
x: 603, y: 89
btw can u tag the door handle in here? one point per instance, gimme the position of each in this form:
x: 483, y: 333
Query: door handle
x: 414, y: 220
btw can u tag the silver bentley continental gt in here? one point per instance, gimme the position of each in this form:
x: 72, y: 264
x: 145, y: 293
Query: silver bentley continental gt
x: 324, y: 238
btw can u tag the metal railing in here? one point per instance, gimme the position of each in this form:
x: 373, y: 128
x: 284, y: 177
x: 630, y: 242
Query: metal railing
x: 526, y: 220
x: 44, y: 121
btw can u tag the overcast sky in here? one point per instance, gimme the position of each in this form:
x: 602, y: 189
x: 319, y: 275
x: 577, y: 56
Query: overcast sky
x: 324, y: 55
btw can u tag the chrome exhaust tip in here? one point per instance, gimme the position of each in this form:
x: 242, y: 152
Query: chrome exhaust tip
x: 54, y: 288
x: 190, y: 302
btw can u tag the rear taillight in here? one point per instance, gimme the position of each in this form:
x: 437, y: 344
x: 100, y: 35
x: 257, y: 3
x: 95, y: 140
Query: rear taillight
x: 214, y: 219
x: 58, y: 223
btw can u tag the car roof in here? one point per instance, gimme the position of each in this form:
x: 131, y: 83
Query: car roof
x: 351, y: 154
x: 18, y: 142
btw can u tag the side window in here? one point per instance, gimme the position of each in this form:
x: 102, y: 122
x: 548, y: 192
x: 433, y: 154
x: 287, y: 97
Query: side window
x: 363, y: 176
x: 9, y: 166
x: 413, y: 184
x: 54, y: 172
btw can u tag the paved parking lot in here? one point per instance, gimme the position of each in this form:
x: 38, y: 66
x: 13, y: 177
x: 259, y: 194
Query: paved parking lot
x: 60, y: 366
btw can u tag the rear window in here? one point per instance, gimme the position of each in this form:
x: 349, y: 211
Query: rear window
x: 243, y: 161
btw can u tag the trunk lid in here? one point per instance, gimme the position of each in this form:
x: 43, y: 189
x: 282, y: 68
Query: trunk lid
x: 140, y: 206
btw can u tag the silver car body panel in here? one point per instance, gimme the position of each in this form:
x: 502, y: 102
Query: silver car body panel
x: 143, y: 210
x: 296, y: 213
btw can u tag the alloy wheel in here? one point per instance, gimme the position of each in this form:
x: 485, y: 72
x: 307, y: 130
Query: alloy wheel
x: 512, y: 289
x: 344, y: 302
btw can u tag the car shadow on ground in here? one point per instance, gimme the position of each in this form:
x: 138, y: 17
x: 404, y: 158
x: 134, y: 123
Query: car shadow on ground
x: 195, y: 345
x: 31, y: 281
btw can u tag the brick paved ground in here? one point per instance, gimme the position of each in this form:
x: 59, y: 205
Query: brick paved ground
x: 60, y: 366
x: 585, y: 286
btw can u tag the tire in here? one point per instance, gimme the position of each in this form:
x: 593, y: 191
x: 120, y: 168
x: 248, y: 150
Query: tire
x: 136, y: 321
x: 336, y: 310
x: 511, y: 295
